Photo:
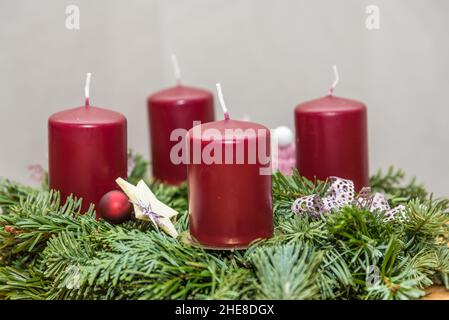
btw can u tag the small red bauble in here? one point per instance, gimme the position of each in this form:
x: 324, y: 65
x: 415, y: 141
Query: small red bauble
x: 114, y: 207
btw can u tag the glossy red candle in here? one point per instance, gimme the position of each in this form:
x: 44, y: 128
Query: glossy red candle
x: 332, y: 139
x: 170, y: 109
x: 230, y: 204
x: 87, y: 152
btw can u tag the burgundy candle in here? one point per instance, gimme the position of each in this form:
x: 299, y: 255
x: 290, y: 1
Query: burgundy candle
x: 174, y: 108
x: 87, y: 151
x: 332, y: 139
x: 230, y: 201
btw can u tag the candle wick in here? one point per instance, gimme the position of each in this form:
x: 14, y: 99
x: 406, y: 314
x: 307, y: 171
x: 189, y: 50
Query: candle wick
x: 176, y: 69
x: 336, y: 79
x: 87, y: 89
x: 222, y: 102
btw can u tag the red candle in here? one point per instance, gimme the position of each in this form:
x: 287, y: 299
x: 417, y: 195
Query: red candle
x: 332, y: 139
x: 230, y: 202
x: 87, y: 149
x: 170, y: 109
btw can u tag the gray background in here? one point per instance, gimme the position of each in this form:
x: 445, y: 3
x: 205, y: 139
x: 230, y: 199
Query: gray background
x: 268, y: 55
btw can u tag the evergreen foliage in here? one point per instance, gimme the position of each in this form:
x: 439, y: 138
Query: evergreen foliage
x: 49, y: 250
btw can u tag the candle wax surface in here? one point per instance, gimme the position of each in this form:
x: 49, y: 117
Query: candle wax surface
x: 239, y: 126
x: 87, y: 152
x: 87, y: 116
x: 170, y: 109
x: 332, y: 139
x: 230, y: 205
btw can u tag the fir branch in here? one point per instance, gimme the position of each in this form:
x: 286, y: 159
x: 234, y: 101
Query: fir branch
x: 335, y: 278
x: 442, y: 268
x: 237, y: 284
x: 132, y: 265
x: 359, y: 232
x: 286, y: 272
x: 51, y: 251
x: 11, y: 192
x: 294, y: 228
x: 426, y: 219
x: 401, y: 277
x: 139, y: 167
x: 288, y: 188
x: 21, y: 284
x: 392, y: 183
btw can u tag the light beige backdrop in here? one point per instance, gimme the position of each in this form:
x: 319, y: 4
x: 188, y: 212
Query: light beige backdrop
x: 268, y: 55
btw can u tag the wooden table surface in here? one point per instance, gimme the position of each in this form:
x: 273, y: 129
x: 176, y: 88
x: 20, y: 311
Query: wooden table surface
x: 436, y: 293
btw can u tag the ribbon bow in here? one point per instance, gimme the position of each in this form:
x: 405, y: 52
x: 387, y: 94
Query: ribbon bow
x: 341, y: 193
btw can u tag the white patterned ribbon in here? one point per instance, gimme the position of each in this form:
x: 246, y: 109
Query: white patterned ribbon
x: 341, y: 193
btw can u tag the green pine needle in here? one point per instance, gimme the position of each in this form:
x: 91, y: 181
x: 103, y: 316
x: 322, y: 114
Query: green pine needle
x: 50, y: 250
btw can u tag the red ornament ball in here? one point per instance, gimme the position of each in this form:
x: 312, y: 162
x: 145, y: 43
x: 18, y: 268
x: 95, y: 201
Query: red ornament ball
x: 114, y: 207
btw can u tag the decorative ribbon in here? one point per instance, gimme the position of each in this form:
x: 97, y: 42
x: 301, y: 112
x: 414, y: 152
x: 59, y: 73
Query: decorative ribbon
x: 341, y: 193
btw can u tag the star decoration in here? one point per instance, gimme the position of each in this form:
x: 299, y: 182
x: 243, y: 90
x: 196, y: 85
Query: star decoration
x: 147, y: 207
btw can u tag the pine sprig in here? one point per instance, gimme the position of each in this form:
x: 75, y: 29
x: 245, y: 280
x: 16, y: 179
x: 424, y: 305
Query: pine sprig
x: 393, y: 184
x: 286, y: 272
x: 427, y: 219
x: 51, y: 251
x: 19, y: 284
x: 138, y: 167
x: 286, y: 189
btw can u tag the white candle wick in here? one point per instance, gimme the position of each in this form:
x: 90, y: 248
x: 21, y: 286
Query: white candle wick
x: 222, y: 102
x: 87, y: 88
x: 176, y: 69
x: 336, y: 79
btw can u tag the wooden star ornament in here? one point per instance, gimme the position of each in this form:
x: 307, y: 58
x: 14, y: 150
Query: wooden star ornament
x: 147, y: 207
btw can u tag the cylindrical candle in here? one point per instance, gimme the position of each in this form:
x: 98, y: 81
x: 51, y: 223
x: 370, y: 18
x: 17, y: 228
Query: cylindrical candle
x: 170, y: 109
x: 229, y: 183
x: 87, y: 148
x: 332, y: 139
